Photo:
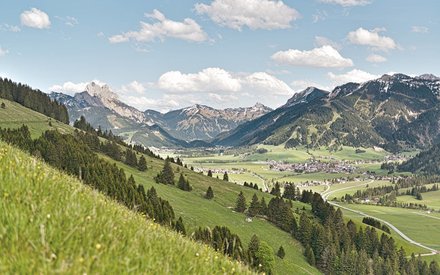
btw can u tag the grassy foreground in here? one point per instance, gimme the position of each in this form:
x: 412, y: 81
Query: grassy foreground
x: 195, y: 210
x: 52, y: 223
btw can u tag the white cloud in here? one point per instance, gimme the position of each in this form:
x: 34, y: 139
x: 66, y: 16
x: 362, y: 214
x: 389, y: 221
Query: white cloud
x: 419, y: 29
x: 218, y: 87
x: 324, y: 57
x: 207, y: 80
x: 3, y: 52
x: 357, y: 76
x: 264, y: 82
x: 188, y: 30
x: 35, y: 18
x: 71, y: 88
x: 323, y: 41
x: 134, y: 86
x: 9, y: 28
x: 347, y: 3
x: 371, y: 38
x: 215, y: 87
x: 376, y: 58
x: 218, y: 81
x: 255, y: 14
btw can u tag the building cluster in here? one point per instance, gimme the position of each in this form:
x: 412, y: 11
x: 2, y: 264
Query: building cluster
x: 313, y: 166
x: 219, y: 170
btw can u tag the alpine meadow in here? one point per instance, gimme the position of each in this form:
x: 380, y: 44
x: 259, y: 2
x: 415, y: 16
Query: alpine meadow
x: 220, y: 137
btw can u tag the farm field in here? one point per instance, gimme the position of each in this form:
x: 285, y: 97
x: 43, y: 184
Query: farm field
x: 340, y: 189
x: 418, y: 225
x: 251, y: 164
x: 430, y: 199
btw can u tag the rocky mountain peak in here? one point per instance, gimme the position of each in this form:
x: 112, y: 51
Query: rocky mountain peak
x: 429, y: 77
x: 101, y: 91
x: 307, y: 95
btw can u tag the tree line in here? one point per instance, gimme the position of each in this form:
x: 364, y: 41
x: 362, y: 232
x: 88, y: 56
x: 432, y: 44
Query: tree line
x: 333, y: 245
x: 33, y: 99
x: 72, y: 155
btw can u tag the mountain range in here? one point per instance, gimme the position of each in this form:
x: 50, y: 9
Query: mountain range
x: 394, y: 112
x: 184, y: 127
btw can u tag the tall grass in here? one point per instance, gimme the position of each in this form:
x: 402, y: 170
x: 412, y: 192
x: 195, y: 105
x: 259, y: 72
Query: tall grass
x: 52, y: 223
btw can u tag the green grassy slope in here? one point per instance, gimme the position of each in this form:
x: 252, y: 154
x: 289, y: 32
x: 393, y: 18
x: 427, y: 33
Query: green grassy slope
x: 197, y: 211
x: 52, y: 223
x: 15, y: 115
x: 194, y: 209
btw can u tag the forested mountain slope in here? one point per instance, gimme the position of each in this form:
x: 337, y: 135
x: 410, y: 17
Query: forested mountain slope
x: 392, y: 111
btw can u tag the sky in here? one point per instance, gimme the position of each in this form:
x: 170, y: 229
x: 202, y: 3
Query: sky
x: 170, y: 54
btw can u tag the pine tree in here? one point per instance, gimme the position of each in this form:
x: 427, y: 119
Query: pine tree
x: 209, y: 173
x: 281, y: 252
x: 289, y: 191
x: 225, y: 176
x: 142, y: 165
x: 131, y: 180
x: 276, y: 190
x: 183, y: 184
x: 263, y: 207
x: 166, y: 176
x: 209, y: 193
x: 253, y: 247
x: 254, y: 207
x: 130, y: 158
x: 180, y: 227
x: 240, y: 206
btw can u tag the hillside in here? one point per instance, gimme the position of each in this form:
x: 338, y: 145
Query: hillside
x: 208, y: 212
x: 13, y: 115
x: 392, y: 112
x: 51, y: 222
x: 426, y: 162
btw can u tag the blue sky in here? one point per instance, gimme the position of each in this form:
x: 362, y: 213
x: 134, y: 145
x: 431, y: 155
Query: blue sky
x: 224, y: 53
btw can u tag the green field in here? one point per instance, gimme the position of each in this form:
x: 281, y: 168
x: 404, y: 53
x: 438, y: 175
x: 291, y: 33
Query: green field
x: 15, y: 115
x: 194, y: 209
x: 430, y: 199
x: 197, y: 211
x: 257, y: 170
x: 340, y: 189
x: 51, y: 223
x: 418, y: 225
